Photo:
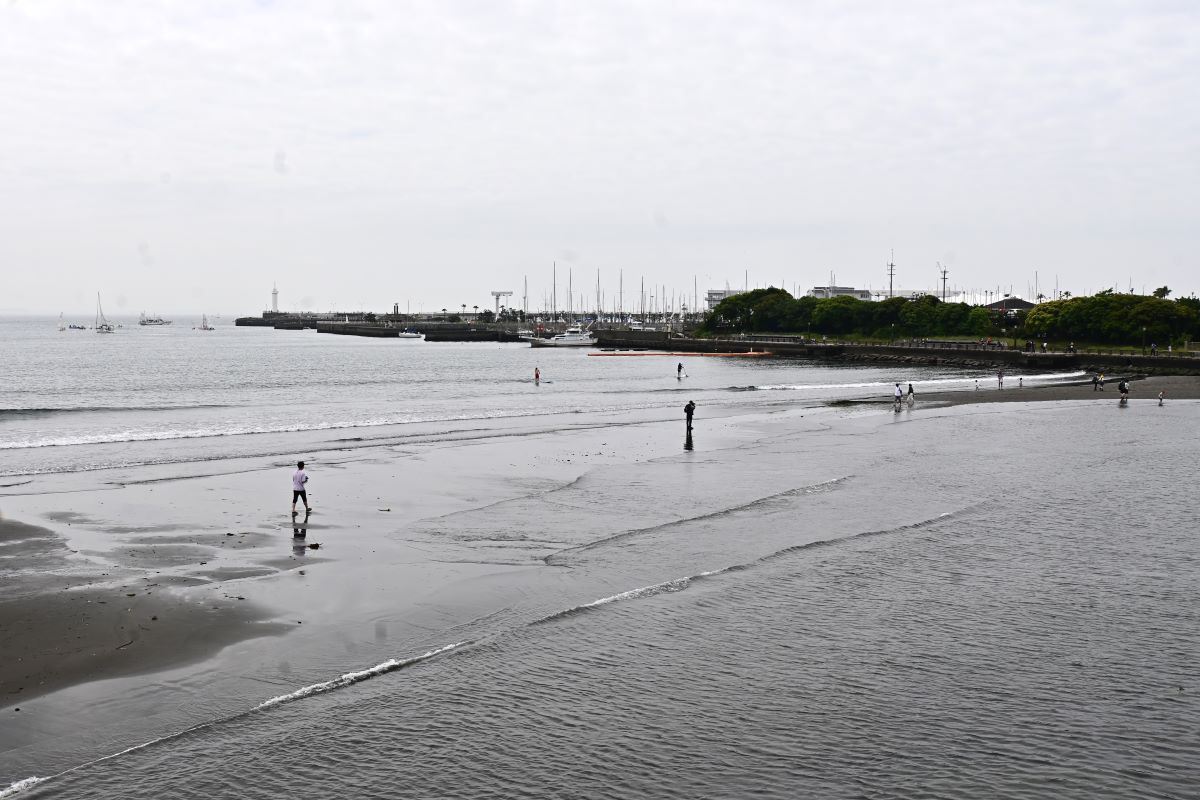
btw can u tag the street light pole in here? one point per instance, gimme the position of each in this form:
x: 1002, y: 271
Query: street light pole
x: 1143, y: 340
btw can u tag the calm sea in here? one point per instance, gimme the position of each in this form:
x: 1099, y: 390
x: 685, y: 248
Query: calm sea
x: 165, y: 394
x: 980, y: 601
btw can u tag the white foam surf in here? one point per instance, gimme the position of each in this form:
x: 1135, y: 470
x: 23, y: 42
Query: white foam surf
x: 349, y: 678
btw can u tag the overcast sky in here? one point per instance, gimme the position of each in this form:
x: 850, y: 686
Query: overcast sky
x: 183, y: 156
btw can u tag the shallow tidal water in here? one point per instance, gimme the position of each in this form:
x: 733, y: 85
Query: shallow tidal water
x: 968, y: 602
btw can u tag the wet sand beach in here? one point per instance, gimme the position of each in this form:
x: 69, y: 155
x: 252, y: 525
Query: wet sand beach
x: 1181, y: 387
x: 496, y: 534
x: 154, y: 588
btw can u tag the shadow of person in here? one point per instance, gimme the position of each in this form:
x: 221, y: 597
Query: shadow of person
x: 687, y: 442
x: 299, y: 532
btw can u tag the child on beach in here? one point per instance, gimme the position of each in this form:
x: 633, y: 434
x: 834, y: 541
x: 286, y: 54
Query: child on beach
x: 299, y: 479
x: 1161, y: 395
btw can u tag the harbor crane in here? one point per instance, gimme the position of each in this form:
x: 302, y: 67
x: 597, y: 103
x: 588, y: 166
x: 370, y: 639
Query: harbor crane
x: 498, y: 295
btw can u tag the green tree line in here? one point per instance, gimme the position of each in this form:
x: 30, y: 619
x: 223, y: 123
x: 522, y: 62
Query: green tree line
x: 1104, y: 317
x: 776, y: 311
x: 1117, y: 318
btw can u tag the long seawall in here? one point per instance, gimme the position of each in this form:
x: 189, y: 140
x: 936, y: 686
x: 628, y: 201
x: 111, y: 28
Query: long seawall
x: 980, y: 356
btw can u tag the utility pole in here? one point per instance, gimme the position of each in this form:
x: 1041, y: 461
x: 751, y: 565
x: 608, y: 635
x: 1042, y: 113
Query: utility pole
x: 944, y: 271
x: 891, y: 271
x: 554, y: 293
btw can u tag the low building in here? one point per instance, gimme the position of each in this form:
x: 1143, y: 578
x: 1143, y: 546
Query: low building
x: 1010, y: 304
x: 839, y: 291
x: 714, y: 296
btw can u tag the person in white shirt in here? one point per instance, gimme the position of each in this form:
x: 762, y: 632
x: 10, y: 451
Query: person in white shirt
x: 299, y: 479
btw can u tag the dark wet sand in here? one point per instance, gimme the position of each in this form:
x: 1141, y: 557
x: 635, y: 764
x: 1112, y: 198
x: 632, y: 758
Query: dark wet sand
x: 1176, y: 388
x: 59, y: 627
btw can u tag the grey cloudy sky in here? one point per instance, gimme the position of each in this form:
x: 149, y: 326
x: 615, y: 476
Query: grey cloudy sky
x: 183, y: 156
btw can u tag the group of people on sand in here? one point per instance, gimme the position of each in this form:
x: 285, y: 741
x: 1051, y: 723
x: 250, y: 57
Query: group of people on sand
x: 900, y: 398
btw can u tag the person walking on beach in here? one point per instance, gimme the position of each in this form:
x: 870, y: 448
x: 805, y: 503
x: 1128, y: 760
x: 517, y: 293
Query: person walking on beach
x: 912, y: 396
x: 537, y: 375
x: 679, y: 371
x: 1153, y: 349
x: 1095, y: 382
x: 897, y: 398
x: 1102, y: 381
x: 299, y: 480
x: 1162, y: 394
x: 688, y: 410
x: 1123, y: 388
x: 1000, y: 379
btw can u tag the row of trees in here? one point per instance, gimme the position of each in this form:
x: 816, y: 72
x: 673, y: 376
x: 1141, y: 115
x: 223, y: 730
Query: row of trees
x: 776, y: 311
x: 1104, y: 317
x: 1117, y: 318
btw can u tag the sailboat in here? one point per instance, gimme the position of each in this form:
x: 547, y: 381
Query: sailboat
x: 102, y: 323
x: 204, y: 326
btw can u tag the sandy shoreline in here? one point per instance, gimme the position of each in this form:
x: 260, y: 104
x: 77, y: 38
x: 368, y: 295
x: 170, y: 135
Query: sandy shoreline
x: 142, y: 592
x: 410, y: 550
x: 1175, y: 387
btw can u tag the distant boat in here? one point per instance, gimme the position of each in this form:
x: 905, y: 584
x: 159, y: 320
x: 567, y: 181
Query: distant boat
x: 571, y: 337
x: 408, y: 335
x: 102, y: 323
x: 74, y: 327
x: 144, y: 320
x: 203, y: 326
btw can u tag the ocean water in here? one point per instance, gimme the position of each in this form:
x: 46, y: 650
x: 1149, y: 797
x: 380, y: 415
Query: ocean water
x: 173, y: 394
x: 977, y: 601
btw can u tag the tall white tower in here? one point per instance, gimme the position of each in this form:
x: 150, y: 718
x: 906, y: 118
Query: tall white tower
x: 275, y: 298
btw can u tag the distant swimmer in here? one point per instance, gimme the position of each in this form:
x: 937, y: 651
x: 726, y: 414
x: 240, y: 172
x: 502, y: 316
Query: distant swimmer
x: 537, y: 375
x: 688, y: 410
x: 299, y: 481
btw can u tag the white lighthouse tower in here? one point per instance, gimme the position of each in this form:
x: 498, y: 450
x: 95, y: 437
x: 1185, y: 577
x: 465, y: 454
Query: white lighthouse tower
x: 274, y: 299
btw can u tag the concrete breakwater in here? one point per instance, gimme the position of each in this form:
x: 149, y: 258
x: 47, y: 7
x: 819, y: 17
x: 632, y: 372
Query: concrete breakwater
x: 961, y: 354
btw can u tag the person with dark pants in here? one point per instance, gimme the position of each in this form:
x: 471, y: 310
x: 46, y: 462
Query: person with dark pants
x: 1095, y: 383
x: 299, y: 479
x: 688, y: 410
